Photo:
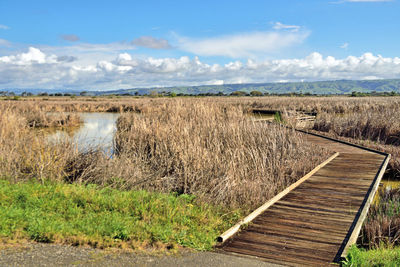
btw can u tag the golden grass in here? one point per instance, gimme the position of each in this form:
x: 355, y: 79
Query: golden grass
x: 35, y: 116
x: 382, y: 226
x: 208, y: 148
x: 214, y: 151
x: 25, y: 154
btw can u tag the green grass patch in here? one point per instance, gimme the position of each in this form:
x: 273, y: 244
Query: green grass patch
x: 104, y: 217
x: 373, y: 257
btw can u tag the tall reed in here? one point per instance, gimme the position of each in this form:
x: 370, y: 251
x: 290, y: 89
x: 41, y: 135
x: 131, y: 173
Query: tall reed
x: 213, y: 151
x: 207, y: 148
x: 382, y: 226
x: 25, y: 153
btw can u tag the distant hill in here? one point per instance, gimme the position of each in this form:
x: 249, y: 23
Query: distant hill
x: 322, y: 87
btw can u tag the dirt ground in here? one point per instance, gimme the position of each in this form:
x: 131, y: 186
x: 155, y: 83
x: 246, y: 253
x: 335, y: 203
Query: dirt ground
x: 37, y: 254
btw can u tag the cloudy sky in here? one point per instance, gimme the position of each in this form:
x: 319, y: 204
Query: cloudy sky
x: 101, y: 45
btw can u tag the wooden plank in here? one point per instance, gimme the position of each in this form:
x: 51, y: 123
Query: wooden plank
x: 323, y: 220
x: 316, y: 195
x: 269, y: 252
x: 310, y: 215
x: 338, y: 181
x: 285, y: 250
x: 222, y: 238
x: 286, y: 242
x: 310, y: 235
x: 343, y: 187
x: 360, y: 179
x: 299, y: 229
x: 306, y: 225
x: 278, y: 258
x: 337, y: 204
x: 328, y: 192
x: 316, y: 208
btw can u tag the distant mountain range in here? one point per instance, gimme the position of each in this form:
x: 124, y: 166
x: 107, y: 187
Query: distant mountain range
x: 322, y: 87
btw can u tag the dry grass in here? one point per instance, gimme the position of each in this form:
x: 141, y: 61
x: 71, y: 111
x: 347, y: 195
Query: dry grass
x: 24, y: 153
x: 210, y: 149
x: 35, y: 116
x: 332, y: 105
x: 207, y: 147
x: 376, y: 127
x: 213, y: 151
x: 382, y: 226
x: 79, y: 104
x: 381, y: 126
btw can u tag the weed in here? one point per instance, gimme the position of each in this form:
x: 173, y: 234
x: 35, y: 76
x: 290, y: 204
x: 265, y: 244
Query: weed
x: 358, y: 257
x: 77, y: 214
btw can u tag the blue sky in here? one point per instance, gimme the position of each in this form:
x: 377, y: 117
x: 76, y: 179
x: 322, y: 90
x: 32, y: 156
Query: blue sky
x: 104, y: 45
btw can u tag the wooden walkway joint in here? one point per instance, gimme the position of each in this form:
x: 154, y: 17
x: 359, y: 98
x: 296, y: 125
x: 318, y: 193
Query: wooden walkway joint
x: 315, y: 220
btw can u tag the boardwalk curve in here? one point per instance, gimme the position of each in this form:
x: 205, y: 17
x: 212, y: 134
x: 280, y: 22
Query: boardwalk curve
x: 316, y: 222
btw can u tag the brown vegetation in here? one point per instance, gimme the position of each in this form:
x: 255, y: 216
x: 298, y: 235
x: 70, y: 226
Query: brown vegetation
x: 382, y: 226
x: 188, y: 146
x: 214, y: 151
x: 35, y: 116
x: 377, y: 127
x: 381, y: 126
x: 204, y: 146
x: 25, y: 154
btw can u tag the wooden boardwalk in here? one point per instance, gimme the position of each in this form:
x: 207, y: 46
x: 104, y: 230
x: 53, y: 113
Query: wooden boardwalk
x: 314, y: 224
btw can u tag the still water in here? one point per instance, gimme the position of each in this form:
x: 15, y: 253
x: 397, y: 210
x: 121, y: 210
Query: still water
x: 96, y: 131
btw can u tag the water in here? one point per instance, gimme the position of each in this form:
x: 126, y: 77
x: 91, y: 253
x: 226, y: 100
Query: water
x: 96, y: 131
x: 262, y: 117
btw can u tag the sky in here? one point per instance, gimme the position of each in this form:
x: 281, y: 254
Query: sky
x: 104, y: 45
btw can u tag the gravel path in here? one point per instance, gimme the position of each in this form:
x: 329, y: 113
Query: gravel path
x: 37, y: 254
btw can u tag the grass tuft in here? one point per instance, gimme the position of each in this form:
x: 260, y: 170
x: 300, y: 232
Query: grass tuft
x: 88, y: 215
x: 375, y: 257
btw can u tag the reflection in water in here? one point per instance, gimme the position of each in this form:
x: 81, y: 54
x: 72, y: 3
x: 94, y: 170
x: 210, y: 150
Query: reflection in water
x: 259, y: 116
x: 97, y: 131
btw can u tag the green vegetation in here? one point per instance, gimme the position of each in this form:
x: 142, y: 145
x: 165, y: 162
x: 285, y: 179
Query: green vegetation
x: 380, y: 233
x: 373, y: 257
x: 381, y: 228
x: 278, y: 117
x: 77, y: 214
x: 349, y: 87
x: 375, y: 87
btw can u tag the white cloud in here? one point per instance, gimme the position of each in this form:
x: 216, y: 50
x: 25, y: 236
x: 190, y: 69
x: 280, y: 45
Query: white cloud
x: 37, y: 69
x: 33, y: 56
x: 4, y: 27
x: 344, y: 46
x: 88, y: 53
x: 151, y: 42
x: 281, y: 26
x: 243, y: 44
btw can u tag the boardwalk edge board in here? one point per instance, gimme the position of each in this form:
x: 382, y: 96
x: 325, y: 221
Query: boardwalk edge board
x: 234, y: 229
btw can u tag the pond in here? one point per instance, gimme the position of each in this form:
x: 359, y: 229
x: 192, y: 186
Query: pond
x: 96, y: 131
